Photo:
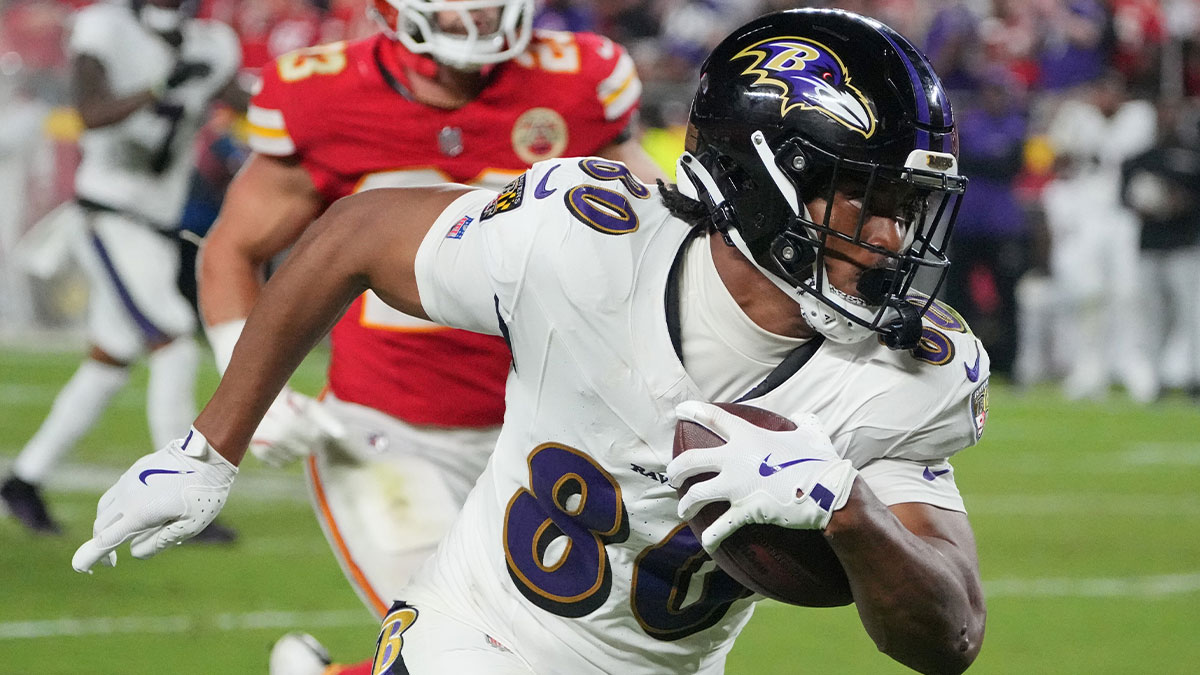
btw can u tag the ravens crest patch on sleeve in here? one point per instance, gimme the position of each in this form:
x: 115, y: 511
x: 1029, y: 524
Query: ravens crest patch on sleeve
x: 509, y: 199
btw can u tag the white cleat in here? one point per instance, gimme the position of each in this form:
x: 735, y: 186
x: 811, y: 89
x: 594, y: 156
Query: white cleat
x: 298, y: 654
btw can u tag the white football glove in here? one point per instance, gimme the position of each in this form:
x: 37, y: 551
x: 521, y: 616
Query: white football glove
x: 164, y: 499
x: 293, y: 427
x: 790, y: 478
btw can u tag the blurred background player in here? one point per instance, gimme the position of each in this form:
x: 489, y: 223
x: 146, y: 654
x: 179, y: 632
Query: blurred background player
x: 451, y: 91
x: 1094, y: 237
x: 1162, y: 186
x: 143, y: 76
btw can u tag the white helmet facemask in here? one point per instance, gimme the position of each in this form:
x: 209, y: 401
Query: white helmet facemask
x: 417, y: 28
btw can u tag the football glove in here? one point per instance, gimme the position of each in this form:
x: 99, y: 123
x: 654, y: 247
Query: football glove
x: 293, y: 427
x: 162, y: 500
x: 789, y: 478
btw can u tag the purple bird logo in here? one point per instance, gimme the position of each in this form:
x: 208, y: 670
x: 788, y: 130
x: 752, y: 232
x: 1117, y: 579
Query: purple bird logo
x: 812, y: 77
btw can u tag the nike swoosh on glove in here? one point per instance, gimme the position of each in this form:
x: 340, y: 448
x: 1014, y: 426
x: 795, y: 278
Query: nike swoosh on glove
x: 789, y: 478
x: 162, y: 500
x: 293, y: 427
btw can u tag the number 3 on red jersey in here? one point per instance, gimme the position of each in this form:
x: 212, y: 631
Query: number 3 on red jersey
x: 327, y: 59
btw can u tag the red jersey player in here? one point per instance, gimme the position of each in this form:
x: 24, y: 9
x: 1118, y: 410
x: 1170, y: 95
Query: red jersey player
x: 451, y: 91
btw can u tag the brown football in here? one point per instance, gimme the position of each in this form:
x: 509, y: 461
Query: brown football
x: 793, y: 566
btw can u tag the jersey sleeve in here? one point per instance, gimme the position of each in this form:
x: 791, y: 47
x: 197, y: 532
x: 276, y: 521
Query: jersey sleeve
x: 938, y: 408
x: 453, y: 267
x: 491, y: 253
x: 229, y: 51
x: 610, y: 90
x: 619, y: 89
x: 270, y: 112
x: 900, y: 481
x: 92, y: 32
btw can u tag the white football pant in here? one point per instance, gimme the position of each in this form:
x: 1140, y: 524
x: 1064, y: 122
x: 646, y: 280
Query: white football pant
x: 386, y: 500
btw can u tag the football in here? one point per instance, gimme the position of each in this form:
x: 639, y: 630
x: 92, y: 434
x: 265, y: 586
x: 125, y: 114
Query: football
x: 794, y: 566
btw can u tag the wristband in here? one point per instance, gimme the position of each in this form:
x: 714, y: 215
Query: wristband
x: 222, y: 338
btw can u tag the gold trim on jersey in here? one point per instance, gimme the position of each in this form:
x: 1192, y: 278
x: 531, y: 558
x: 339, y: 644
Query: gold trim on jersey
x: 256, y: 130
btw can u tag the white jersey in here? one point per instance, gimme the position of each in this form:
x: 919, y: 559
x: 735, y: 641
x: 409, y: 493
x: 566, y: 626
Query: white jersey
x: 117, y: 167
x: 569, y: 550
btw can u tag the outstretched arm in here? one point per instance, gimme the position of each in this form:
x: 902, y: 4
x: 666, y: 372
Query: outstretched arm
x: 367, y: 241
x: 267, y: 207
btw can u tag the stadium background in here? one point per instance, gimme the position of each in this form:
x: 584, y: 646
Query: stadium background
x: 1086, y: 511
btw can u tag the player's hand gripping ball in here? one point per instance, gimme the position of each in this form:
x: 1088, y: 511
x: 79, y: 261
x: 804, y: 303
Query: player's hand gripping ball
x: 796, y: 566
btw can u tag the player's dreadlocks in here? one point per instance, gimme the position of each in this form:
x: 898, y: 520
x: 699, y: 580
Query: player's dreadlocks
x: 683, y: 207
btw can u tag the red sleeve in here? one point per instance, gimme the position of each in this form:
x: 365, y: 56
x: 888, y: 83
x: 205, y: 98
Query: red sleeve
x: 275, y: 122
x: 616, y: 87
x: 283, y: 120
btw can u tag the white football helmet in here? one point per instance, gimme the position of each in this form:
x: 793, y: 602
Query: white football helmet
x: 415, y: 24
x: 164, y: 17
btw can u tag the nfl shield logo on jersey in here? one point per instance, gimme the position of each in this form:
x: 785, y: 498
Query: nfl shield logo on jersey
x: 460, y: 228
x: 450, y: 141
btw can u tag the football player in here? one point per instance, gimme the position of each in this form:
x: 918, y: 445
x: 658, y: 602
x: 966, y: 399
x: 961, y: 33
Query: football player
x: 1094, y: 240
x: 449, y: 91
x: 820, y: 179
x: 143, y: 77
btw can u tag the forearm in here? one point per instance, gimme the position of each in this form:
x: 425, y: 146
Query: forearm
x: 293, y: 315
x: 916, y: 595
x: 365, y: 241
x: 95, y: 101
x: 229, y: 282
x: 104, y: 112
x: 267, y: 207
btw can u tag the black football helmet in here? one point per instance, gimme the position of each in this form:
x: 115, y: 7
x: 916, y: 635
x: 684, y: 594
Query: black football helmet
x: 801, y: 104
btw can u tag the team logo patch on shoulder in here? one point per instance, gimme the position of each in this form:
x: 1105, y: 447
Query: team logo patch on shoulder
x: 812, y: 77
x: 509, y: 199
x: 979, y: 408
x: 538, y: 134
x: 460, y: 228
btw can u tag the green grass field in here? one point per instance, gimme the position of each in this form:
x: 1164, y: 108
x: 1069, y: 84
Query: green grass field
x: 1087, y: 515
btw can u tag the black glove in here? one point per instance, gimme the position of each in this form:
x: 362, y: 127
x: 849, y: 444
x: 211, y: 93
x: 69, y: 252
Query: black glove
x: 187, y: 70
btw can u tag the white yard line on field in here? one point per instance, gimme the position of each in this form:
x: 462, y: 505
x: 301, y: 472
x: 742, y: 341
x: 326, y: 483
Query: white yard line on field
x: 260, y: 484
x: 1162, y: 454
x: 109, y: 625
x: 22, y: 393
x: 1149, y: 587
x: 1144, y: 588
x: 39, y: 397
x: 1084, y: 505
